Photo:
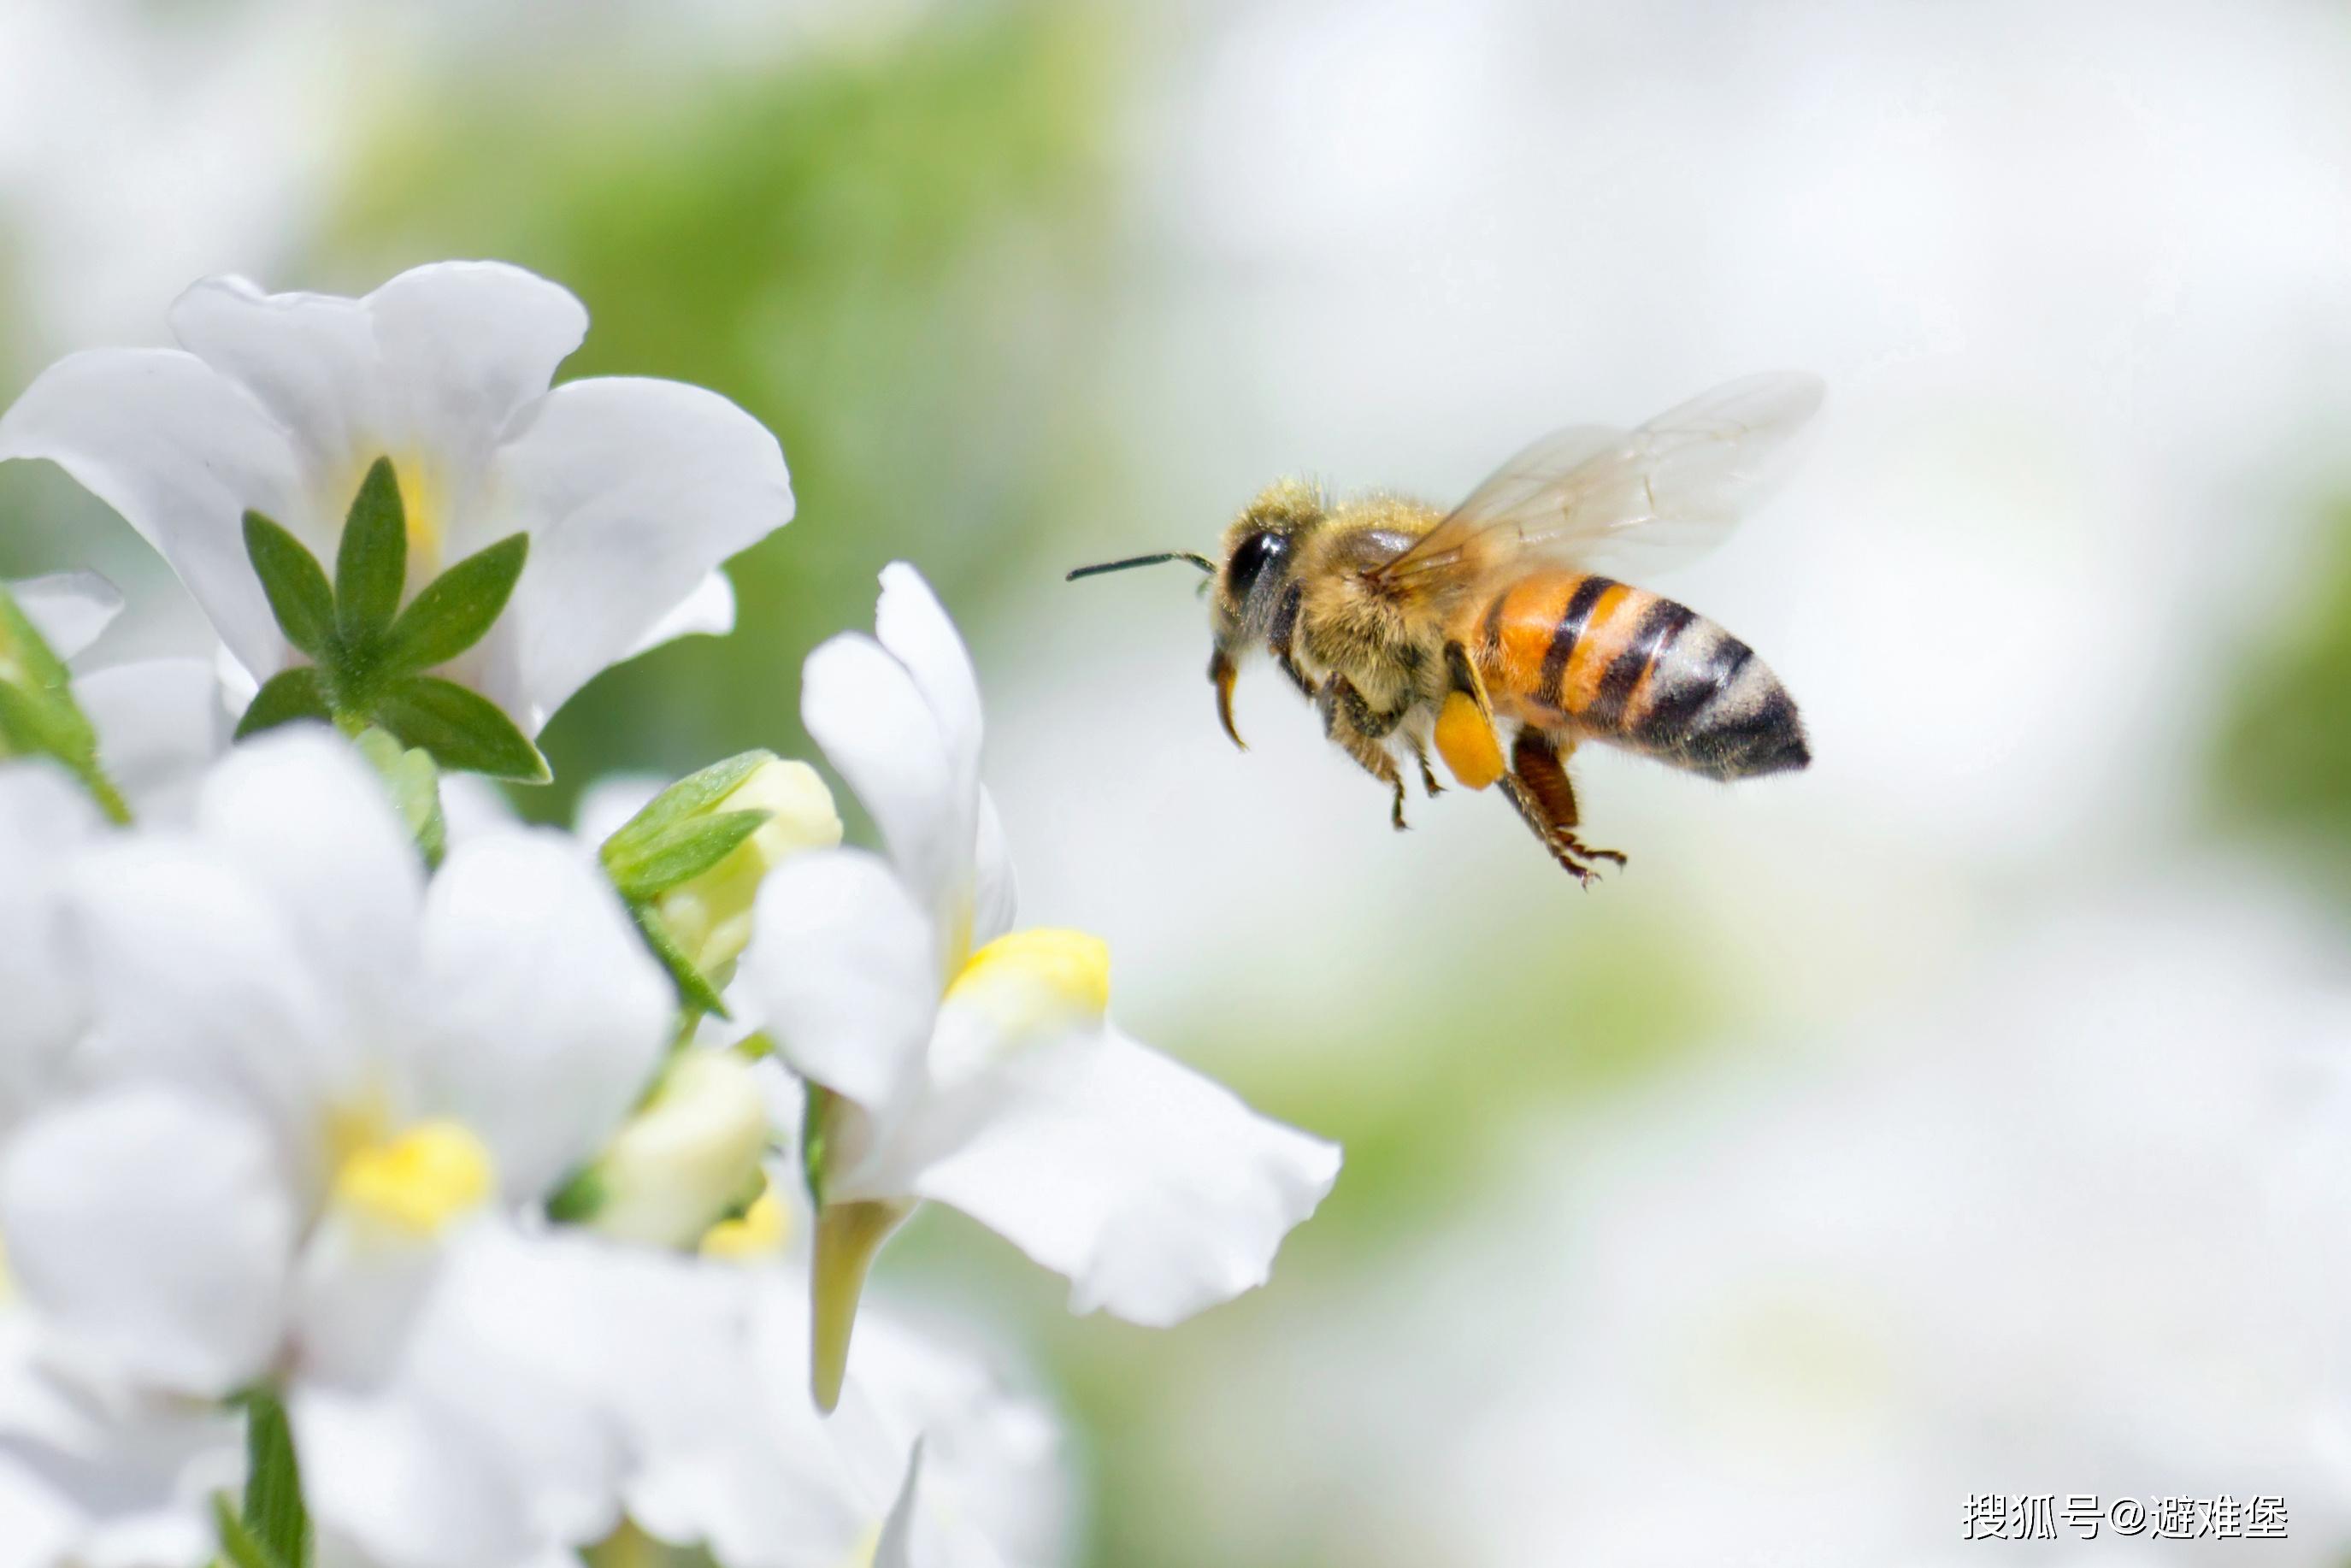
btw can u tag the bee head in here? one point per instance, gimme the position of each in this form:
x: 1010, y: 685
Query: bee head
x: 1259, y: 554
x: 1257, y: 562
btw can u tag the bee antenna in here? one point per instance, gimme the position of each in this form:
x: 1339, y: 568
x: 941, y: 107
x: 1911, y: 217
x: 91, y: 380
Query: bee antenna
x: 1203, y: 562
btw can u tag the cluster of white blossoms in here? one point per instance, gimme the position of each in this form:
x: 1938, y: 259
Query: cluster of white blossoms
x: 387, y: 1184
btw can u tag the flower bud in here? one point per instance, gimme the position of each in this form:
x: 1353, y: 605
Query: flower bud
x: 689, y: 1156
x: 709, y: 916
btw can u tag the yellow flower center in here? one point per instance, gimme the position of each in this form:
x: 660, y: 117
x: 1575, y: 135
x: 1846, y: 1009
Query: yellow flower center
x: 417, y: 1181
x: 1039, y: 979
x: 759, y: 1232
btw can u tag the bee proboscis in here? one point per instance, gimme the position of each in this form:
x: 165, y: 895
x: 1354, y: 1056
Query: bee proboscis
x: 1447, y: 629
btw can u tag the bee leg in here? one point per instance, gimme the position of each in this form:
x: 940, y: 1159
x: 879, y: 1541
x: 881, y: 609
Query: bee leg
x: 1531, y: 813
x: 1542, y: 772
x: 1361, y: 734
x: 1428, y: 774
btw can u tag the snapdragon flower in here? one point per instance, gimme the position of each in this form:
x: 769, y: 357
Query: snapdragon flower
x: 628, y: 491
x: 315, y: 1088
x: 930, y: 1461
x: 956, y: 1059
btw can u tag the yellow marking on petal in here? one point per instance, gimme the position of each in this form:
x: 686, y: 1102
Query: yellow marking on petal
x: 760, y: 1231
x: 419, y: 1180
x: 861, y: 1555
x: 848, y: 1234
x: 424, y: 503
x: 1039, y: 979
x: 7, y: 1279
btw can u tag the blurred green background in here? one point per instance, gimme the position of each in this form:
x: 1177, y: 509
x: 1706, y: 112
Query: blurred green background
x: 1020, y: 285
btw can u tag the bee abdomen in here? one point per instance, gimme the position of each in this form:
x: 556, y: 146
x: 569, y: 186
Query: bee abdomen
x: 1622, y: 664
x: 1705, y: 702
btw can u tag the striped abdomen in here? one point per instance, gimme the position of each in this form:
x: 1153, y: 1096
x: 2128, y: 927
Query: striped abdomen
x: 1569, y: 650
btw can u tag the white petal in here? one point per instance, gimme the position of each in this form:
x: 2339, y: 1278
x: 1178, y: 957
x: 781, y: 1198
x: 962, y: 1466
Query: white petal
x: 307, y: 820
x: 634, y: 492
x: 549, y: 1015
x: 992, y: 1485
x: 707, y: 611
x: 737, y: 1456
x: 181, y: 452
x: 995, y: 890
x: 70, y: 608
x: 472, y: 806
x: 608, y: 804
x: 842, y: 965
x: 463, y: 345
x: 100, y: 1485
x: 866, y: 709
x: 494, y: 1434
x: 394, y: 1483
x: 153, y: 1235
x: 161, y: 723
x: 195, y: 978
x: 309, y: 360
x: 912, y: 624
x: 1155, y: 1191
x: 43, y: 815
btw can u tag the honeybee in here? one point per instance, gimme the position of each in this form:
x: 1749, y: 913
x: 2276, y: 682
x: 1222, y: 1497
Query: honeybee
x: 1408, y: 627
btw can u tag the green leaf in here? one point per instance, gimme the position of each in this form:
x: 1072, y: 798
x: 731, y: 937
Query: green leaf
x: 372, y: 561
x: 274, y: 1513
x: 288, y: 696
x: 38, y: 714
x: 237, y: 1543
x: 694, y: 988
x: 295, y: 581
x: 683, y: 853
x: 696, y: 792
x: 463, y: 729
x: 456, y: 609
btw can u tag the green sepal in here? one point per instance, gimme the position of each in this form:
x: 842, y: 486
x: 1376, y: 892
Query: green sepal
x: 694, y: 988
x: 461, y: 728
x: 457, y: 608
x: 284, y: 697
x: 293, y: 581
x: 414, y: 785
x: 814, y: 1105
x: 274, y: 1515
x: 38, y: 716
x: 697, y: 792
x: 372, y: 562
x: 578, y: 1200
x: 239, y: 1545
x: 684, y: 852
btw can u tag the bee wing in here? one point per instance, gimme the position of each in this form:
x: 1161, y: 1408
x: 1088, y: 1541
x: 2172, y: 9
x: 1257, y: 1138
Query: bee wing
x: 1640, y: 500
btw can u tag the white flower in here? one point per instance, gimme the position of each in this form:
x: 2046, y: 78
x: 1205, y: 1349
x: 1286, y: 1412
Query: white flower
x: 316, y: 1085
x: 632, y: 490
x: 84, y: 1481
x: 928, y: 1462
x: 44, y: 817
x: 978, y: 1068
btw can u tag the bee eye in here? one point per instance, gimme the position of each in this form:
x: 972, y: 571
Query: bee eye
x: 1251, y: 558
